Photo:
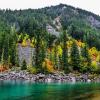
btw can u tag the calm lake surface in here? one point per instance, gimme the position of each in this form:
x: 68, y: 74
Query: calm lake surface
x: 12, y: 90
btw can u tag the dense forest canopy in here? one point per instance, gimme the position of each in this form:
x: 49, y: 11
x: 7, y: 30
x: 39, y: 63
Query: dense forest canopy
x: 77, y: 44
x: 79, y: 22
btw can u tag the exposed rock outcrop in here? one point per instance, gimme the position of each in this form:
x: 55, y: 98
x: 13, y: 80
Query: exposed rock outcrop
x: 26, y: 53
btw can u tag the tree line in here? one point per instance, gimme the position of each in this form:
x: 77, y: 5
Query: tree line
x: 50, y: 51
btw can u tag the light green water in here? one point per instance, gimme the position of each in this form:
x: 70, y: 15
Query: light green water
x: 17, y: 90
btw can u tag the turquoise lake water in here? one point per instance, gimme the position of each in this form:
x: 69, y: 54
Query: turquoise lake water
x: 17, y: 90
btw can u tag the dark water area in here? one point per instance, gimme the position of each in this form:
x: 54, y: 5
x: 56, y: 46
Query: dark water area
x: 18, y: 90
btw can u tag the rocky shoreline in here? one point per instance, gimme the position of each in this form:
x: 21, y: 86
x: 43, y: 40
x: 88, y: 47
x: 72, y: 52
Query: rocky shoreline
x: 24, y: 75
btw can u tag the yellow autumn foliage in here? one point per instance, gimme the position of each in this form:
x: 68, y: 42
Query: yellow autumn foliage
x: 93, y: 50
x: 80, y: 44
x: 32, y: 45
x: 94, y: 53
x: 26, y: 37
x: 33, y: 40
x: 94, y: 65
x: 24, y: 43
x: 59, y: 50
x: 49, y: 65
x: 69, y: 43
x: 32, y: 70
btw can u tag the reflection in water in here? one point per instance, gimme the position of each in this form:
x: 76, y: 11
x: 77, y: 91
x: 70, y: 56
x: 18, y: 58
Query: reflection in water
x: 17, y: 90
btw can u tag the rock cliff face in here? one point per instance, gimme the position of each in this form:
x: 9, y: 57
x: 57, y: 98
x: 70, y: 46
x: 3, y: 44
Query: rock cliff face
x: 27, y: 54
x: 52, y: 30
x: 93, y: 22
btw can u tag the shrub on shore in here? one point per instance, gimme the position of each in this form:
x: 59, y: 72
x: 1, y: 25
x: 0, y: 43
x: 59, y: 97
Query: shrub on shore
x: 32, y: 70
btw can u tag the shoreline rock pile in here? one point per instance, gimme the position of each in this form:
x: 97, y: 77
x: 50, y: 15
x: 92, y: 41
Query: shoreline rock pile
x: 23, y: 75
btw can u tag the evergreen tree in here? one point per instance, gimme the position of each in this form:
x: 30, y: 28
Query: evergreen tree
x: 86, y: 56
x: 40, y: 48
x: 2, y: 57
x: 60, y: 62
x: 75, y: 57
x: 12, y: 46
x: 55, y: 57
x: 24, y: 65
x: 65, y: 52
x: 42, y: 55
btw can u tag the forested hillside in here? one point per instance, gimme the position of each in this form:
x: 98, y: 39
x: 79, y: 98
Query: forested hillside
x: 64, y: 38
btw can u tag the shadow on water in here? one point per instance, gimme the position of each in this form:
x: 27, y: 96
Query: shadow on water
x: 18, y: 90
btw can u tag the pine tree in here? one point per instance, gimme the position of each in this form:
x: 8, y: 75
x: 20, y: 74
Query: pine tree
x: 6, y: 48
x: 60, y: 62
x: 40, y: 48
x: 86, y: 56
x: 12, y: 47
x: 55, y: 57
x: 75, y: 57
x: 24, y: 65
x: 17, y: 58
x: 13, y: 53
x: 2, y: 57
x: 42, y: 55
x: 65, y: 52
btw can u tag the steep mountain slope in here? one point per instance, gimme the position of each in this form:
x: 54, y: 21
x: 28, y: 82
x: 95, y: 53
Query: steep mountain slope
x: 78, y: 22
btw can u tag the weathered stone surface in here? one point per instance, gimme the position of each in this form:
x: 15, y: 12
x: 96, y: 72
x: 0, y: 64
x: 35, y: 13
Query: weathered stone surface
x: 26, y: 53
